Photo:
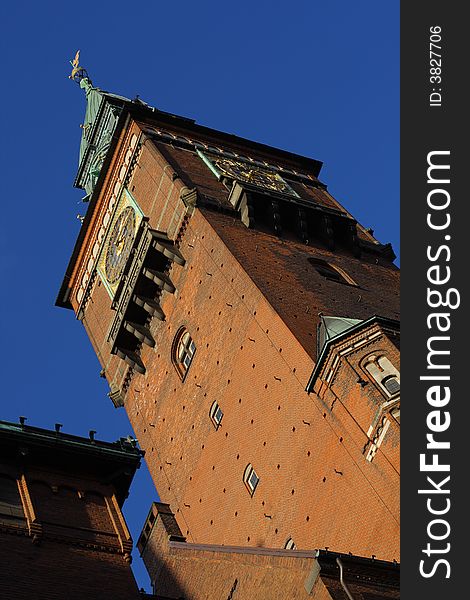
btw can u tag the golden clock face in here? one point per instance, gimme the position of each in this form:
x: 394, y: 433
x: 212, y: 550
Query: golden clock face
x: 120, y: 244
x: 252, y: 174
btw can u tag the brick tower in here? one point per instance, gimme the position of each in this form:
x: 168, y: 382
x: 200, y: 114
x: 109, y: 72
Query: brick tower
x: 61, y: 528
x: 249, y: 326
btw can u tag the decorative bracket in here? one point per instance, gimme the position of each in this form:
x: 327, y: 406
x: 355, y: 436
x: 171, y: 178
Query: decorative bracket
x: 137, y: 296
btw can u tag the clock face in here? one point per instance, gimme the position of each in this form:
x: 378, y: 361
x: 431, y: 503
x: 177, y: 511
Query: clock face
x: 120, y: 244
x: 252, y: 174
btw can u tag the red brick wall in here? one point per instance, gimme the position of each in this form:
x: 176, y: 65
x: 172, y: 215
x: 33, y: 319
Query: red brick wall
x: 178, y: 569
x: 251, y: 303
x: 97, y: 321
x: 294, y: 288
x: 64, y: 507
x: 72, y: 543
x: 355, y: 400
x: 248, y: 360
x: 55, y: 571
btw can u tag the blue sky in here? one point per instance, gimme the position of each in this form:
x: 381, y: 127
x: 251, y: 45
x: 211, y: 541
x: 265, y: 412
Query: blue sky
x: 316, y: 78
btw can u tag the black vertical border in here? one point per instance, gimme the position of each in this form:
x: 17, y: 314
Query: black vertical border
x: 424, y: 129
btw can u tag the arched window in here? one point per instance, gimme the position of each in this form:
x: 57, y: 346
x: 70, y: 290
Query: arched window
x: 331, y: 272
x: 250, y: 478
x: 11, y: 507
x: 183, y: 352
x: 216, y: 414
x: 384, y: 373
x: 290, y: 544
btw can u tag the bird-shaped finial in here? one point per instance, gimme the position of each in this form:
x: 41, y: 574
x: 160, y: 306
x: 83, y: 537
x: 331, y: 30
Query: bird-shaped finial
x: 78, y: 73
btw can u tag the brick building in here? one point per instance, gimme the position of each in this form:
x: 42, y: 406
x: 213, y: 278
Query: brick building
x: 62, y: 533
x: 202, y: 571
x: 249, y: 327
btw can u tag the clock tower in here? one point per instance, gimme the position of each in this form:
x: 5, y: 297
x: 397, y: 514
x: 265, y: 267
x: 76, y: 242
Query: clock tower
x: 248, y: 324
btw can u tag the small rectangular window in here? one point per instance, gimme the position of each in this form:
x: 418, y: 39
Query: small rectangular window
x: 216, y: 414
x: 183, y: 351
x: 392, y: 385
x: 253, y: 481
x: 250, y: 478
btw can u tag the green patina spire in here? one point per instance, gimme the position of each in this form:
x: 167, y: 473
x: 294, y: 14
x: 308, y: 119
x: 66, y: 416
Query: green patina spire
x: 101, y: 115
x: 94, y: 97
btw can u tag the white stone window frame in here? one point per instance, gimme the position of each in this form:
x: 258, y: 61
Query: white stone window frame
x: 250, y: 478
x: 290, y: 544
x: 183, y: 352
x: 380, y: 369
x: 376, y: 436
x: 216, y: 414
x: 395, y: 413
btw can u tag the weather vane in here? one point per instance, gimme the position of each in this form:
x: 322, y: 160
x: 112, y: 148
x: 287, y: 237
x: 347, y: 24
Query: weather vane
x: 78, y: 73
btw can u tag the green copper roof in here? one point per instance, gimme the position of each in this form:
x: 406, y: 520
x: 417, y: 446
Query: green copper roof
x: 101, y: 117
x: 94, y: 97
x: 330, y: 327
x: 115, y: 463
x: 124, y: 447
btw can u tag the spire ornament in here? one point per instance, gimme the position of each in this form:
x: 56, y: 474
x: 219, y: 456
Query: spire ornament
x: 78, y: 72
